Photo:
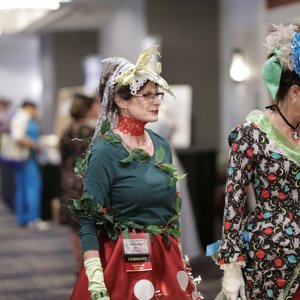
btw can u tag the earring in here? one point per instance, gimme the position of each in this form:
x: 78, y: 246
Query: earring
x: 292, y: 97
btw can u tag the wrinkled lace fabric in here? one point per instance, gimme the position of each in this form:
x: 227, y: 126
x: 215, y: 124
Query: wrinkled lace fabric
x: 116, y: 66
x: 122, y: 72
x: 113, y: 66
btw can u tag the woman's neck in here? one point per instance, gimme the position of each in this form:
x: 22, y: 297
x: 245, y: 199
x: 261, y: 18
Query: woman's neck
x: 131, y: 126
x: 288, y: 113
x: 284, y: 119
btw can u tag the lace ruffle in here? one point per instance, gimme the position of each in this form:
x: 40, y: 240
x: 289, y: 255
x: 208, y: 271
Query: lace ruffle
x: 136, y: 85
x: 277, y: 141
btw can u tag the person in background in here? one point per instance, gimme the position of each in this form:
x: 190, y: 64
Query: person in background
x: 130, y: 208
x: 73, y: 143
x: 24, y: 130
x: 4, y: 114
x: 4, y: 128
x: 259, y: 252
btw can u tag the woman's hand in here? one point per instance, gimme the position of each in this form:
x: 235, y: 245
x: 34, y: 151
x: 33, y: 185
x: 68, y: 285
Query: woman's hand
x: 94, y: 273
x: 233, y: 283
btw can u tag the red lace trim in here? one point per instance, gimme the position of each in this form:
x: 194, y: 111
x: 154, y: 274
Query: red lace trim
x: 131, y: 126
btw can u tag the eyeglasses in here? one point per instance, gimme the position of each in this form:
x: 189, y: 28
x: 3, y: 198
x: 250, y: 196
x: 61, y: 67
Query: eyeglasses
x: 152, y: 96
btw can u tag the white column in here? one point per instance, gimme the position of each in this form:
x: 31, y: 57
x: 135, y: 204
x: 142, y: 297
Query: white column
x: 49, y: 88
x: 123, y: 35
x: 243, y: 26
x: 20, y: 72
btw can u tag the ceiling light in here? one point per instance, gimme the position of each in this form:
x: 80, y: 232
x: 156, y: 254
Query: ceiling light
x: 29, y: 4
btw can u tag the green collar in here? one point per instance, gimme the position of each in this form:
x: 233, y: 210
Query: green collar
x: 273, y: 134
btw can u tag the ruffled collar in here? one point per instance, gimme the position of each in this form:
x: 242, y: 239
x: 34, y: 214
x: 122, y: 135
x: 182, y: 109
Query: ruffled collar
x: 274, y: 135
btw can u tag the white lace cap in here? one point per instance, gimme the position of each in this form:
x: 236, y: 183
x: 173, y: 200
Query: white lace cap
x: 138, y: 81
x: 121, y: 72
x: 146, y: 68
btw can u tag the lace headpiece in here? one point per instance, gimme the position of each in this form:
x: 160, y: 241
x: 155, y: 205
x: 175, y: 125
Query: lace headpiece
x: 284, y: 43
x: 121, y: 72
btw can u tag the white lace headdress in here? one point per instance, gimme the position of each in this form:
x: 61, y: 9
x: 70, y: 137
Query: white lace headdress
x: 121, y: 72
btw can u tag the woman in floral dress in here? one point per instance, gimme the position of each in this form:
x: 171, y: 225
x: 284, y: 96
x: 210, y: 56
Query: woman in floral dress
x: 260, y: 252
x: 82, y: 127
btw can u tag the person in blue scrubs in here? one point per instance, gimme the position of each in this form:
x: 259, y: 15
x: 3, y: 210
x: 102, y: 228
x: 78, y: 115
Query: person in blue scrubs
x: 25, y: 132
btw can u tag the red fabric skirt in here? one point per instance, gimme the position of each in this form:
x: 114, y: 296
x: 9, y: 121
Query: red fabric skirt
x: 166, y: 263
x: 297, y: 295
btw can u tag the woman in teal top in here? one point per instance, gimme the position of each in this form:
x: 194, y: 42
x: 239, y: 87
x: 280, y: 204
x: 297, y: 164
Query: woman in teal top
x: 139, y: 191
x: 129, y: 209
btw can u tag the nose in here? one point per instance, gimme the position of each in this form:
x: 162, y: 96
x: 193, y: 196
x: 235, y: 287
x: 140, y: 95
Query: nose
x: 157, y: 100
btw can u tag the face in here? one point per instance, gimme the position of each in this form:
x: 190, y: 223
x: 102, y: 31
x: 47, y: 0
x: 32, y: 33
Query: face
x: 94, y: 110
x: 32, y: 111
x: 142, y: 106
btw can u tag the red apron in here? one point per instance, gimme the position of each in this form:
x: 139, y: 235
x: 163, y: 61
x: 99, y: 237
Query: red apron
x: 297, y: 295
x: 166, y: 263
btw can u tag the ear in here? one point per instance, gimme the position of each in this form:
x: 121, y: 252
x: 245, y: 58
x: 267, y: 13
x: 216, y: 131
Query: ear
x: 294, y: 91
x: 120, y: 102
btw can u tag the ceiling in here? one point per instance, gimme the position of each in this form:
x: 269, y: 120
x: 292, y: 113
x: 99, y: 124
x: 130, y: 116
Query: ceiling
x: 74, y: 15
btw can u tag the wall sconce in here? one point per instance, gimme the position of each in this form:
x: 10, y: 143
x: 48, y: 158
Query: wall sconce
x: 238, y: 68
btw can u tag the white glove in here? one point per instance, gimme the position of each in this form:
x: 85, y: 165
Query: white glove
x: 94, y: 273
x: 233, y: 283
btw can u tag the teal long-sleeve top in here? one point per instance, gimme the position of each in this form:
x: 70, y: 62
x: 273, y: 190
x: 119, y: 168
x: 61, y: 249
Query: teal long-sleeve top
x: 138, y: 190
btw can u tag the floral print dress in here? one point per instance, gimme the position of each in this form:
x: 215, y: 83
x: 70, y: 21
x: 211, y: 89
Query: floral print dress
x: 72, y: 145
x: 267, y: 241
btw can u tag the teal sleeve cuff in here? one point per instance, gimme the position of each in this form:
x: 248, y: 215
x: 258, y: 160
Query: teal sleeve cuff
x: 88, y: 233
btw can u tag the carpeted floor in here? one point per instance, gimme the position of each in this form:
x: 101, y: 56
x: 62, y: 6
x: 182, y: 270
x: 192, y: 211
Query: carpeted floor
x: 34, y: 265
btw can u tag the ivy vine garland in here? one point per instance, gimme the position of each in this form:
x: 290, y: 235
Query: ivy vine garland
x: 111, y: 218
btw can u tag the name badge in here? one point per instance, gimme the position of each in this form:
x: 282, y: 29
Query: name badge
x: 137, y: 252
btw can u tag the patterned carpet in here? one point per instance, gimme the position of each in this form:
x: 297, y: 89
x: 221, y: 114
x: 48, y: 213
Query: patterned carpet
x: 38, y: 266
x: 34, y: 265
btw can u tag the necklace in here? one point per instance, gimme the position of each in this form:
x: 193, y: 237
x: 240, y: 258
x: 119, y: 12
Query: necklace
x: 295, y: 134
x: 135, y: 145
x: 131, y: 126
x: 142, y: 146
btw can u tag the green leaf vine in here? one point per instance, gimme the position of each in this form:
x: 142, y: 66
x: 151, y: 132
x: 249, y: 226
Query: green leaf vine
x: 114, y: 223
x: 111, y: 218
x: 142, y: 156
